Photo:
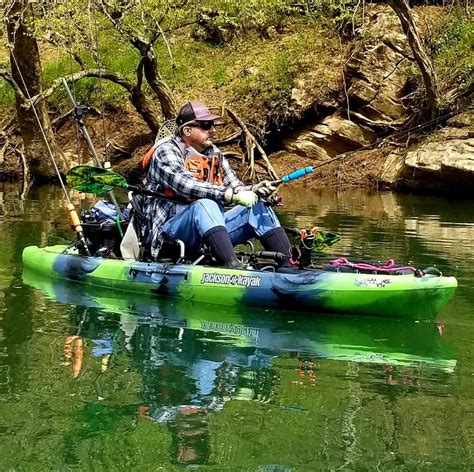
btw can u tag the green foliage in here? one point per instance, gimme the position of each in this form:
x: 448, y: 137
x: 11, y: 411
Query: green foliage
x: 269, y: 82
x: 452, y: 51
x: 340, y: 14
x: 222, y: 20
x: 7, y: 96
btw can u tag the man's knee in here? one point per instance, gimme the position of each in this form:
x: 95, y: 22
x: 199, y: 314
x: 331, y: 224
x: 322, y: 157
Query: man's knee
x: 209, y: 206
x: 260, y: 207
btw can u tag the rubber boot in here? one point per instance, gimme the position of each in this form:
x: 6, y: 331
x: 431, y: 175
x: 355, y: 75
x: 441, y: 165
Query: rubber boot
x: 217, y: 239
x: 277, y: 240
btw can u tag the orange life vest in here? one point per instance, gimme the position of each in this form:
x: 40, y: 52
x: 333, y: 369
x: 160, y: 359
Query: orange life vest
x: 206, y: 169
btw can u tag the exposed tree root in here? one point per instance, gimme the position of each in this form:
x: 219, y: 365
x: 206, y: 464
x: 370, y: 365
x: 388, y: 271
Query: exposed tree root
x: 251, y: 144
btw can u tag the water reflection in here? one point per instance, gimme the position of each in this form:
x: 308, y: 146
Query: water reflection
x: 189, y: 360
x: 248, y: 390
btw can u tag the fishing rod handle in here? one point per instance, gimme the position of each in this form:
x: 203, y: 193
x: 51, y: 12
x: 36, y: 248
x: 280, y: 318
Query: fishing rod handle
x: 293, y: 176
x: 76, y: 223
x: 144, y: 191
x: 296, y: 174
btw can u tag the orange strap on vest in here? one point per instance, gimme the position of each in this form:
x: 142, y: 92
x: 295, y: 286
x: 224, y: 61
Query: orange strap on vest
x: 148, y: 156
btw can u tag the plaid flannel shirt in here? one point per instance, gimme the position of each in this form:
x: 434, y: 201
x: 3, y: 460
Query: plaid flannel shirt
x: 167, y: 171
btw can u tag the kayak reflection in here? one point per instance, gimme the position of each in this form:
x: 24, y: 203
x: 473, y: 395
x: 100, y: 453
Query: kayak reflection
x: 194, y: 358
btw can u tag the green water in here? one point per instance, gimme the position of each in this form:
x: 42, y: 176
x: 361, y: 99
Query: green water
x: 92, y: 381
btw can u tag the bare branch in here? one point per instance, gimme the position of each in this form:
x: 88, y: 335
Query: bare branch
x: 132, y: 34
x: 6, y: 75
x: 3, y: 149
x: 8, y: 125
x: 108, y: 75
x: 140, y: 75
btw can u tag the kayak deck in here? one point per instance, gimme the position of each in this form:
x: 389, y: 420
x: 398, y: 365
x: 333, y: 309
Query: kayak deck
x: 309, y: 290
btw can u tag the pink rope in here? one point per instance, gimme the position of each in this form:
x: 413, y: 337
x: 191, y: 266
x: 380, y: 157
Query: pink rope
x: 388, y: 267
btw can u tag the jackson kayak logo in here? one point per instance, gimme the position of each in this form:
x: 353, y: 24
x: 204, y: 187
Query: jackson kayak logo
x: 372, y: 282
x: 223, y: 279
x: 240, y: 330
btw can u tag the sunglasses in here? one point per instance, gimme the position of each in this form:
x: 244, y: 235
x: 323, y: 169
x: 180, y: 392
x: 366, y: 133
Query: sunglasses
x: 205, y: 125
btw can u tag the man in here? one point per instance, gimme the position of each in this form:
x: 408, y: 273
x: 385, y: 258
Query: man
x: 189, y: 166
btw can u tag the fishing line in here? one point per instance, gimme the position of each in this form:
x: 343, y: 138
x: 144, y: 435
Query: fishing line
x: 70, y: 207
x: 39, y: 124
x: 426, y: 124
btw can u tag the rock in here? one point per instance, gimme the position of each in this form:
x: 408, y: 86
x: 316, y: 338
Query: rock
x: 333, y: 135
x: 375, y: 75
x: 300, y: 99
x: 296, y: 99
x: 444, y: 161
x: 394, y: 168
x: 447, y: 156
x: 463, y: 120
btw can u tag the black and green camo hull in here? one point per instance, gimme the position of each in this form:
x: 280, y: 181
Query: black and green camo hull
x: 402, y: 296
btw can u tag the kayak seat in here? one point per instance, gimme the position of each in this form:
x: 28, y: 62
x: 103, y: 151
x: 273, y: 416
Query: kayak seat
x: 174, y: 250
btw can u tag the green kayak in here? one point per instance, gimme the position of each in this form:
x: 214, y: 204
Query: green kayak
x: 418, y: 296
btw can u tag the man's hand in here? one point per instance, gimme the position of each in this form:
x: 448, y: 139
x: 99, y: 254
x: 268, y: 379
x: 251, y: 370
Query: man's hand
x: 264, y: 188
x: 247, y: 198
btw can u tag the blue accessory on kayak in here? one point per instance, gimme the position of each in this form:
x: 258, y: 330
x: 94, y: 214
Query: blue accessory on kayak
x: 104, y: 211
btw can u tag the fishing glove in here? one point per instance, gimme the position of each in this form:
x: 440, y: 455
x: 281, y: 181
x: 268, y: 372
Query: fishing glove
x: 264, y: 188
x: 247, y: 198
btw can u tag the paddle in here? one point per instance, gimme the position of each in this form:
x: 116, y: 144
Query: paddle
x: 96, y: 180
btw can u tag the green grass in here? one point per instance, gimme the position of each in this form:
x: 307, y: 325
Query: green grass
x: 7, y: 97
x: 220, y: 75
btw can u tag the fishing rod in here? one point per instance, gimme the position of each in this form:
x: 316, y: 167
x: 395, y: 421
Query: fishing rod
x: 79, y: 113
x: 76, y: 223
x: 310, y: 169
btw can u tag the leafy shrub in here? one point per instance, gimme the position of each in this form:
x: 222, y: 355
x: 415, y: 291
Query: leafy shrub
x: 453, y: 52
x: 222, y: 20
x: 340, y: 14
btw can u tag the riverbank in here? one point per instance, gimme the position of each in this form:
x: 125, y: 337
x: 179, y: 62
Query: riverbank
x: 307, y: 91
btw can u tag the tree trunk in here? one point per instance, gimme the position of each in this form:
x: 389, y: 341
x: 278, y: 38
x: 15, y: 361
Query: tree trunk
x: 403, y: 12
x: 163, y: 92
x: 26, y: 66
x: 146, y: 110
